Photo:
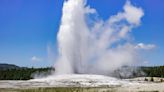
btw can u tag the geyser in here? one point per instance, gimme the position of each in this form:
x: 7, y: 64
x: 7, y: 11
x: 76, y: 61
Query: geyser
x: 92, y: 45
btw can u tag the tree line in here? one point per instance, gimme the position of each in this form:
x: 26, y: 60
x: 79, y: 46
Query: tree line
x: 30, y: 73
x: 155, y: 71
x: 23, y: 73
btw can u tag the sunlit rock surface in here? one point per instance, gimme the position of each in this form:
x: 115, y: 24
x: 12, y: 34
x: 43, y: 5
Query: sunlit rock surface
x: 73, y: 80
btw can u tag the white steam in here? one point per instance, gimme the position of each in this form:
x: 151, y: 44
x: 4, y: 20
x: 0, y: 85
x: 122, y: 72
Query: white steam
x: 98, y: 49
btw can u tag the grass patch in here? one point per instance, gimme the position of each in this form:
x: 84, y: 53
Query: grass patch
x: 60, y: 89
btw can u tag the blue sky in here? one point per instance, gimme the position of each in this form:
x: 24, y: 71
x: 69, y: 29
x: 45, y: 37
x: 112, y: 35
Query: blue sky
x: 28, y: 27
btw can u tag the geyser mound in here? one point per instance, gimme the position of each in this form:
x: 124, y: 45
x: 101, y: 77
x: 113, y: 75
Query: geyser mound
x: 80, y: 80
x: 94, y: 46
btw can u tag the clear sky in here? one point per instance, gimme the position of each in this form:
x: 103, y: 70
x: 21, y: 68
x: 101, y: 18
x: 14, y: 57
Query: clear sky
x: 28, y: 28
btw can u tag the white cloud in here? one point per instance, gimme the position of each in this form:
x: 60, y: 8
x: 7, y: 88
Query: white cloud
x: 146, y: 62
x: 145, y: 46
x: 133, y: 14
x: 36, y: 59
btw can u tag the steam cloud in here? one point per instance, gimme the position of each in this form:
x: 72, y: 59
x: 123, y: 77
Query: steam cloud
x: 99, y: 47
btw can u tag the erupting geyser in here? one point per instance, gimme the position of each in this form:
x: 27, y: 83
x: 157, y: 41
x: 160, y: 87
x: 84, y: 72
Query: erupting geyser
x: 92, y: 45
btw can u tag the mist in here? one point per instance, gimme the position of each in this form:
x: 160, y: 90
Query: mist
x: 93, y: 46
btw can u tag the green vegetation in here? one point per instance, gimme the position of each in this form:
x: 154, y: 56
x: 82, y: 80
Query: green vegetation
x: 61, y: 89
x: 23, y: 73
x: 156, y: 71
x: 69, y: 89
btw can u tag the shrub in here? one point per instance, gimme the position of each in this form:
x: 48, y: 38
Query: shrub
x: 152, y: 79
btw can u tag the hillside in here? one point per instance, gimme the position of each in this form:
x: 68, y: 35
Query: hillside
x: 13, y: 72
x: 8, y: 66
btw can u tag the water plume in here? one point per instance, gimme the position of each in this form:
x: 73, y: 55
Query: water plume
x: 99, y: 47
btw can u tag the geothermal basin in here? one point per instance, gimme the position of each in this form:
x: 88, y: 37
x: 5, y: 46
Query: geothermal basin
x: 80, y: 83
